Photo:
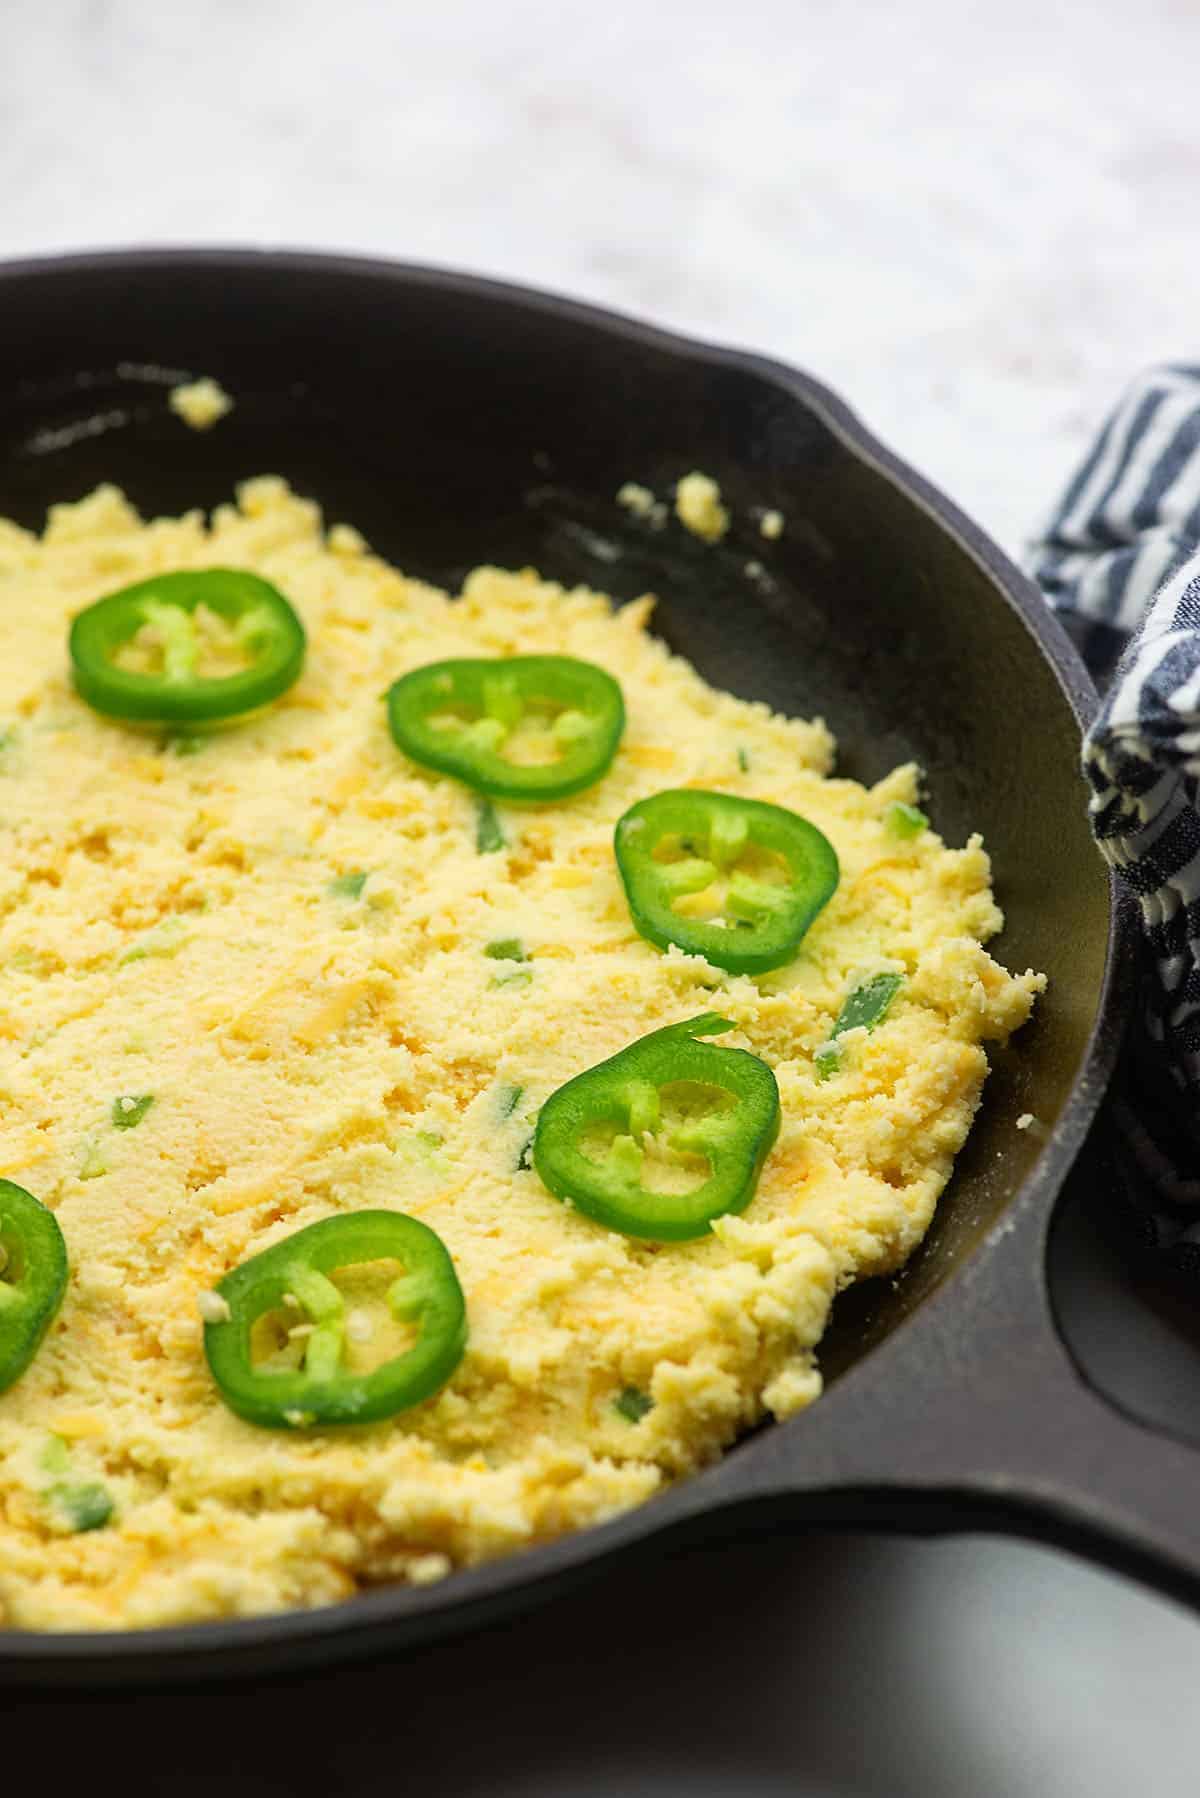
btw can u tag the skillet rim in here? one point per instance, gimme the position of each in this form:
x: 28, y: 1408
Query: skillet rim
x: 174, y: 1653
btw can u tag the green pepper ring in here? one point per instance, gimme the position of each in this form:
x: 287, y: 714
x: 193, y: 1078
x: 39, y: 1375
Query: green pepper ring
x: 35, y: 1249
x: 564, y: 680
x: 688, y: 812
x: 609, y: 1093
x: 293, y: 1399
x: 276, y: 640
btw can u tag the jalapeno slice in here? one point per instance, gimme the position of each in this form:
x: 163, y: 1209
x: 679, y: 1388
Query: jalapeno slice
x: 33, y: 1277
x: 518, y: 727
x: 141, y: 653
x: 295, y: 1273
x: 711, y: 1114
x: 734, y: 880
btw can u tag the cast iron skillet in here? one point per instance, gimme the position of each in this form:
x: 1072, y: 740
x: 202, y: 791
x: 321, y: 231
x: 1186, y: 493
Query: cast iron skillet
x: 457, y: 421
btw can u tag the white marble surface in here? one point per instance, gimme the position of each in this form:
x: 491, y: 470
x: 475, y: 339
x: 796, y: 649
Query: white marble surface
x: 971, y: 219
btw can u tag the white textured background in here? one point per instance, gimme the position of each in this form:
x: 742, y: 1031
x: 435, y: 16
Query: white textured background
x: 976, y: 221
x: 972, y: 219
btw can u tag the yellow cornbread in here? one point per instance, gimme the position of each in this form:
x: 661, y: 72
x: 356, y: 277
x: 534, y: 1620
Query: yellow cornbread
x: 176, y: 921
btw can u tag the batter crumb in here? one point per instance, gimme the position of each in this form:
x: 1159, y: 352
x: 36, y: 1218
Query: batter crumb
x: 642, y: 503
x: 698, y: 507
x: 771, y: 525
x: 200, y: 403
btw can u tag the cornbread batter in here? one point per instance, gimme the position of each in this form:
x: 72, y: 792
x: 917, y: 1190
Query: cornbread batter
x: 247, y: 986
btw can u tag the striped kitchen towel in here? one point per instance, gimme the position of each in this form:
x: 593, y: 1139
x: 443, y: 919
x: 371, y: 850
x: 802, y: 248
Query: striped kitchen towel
x: 1120, y: 562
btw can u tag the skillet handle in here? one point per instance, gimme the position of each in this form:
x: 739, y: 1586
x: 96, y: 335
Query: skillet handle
x: 973, y: 1416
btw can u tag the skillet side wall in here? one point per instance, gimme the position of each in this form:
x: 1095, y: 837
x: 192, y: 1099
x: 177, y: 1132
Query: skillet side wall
x: 456, y: 423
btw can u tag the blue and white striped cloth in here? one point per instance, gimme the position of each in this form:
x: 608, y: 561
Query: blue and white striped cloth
x: 1120, y: 562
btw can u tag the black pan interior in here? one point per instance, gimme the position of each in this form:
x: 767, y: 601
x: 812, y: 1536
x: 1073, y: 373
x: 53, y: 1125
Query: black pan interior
x: 456, y: 423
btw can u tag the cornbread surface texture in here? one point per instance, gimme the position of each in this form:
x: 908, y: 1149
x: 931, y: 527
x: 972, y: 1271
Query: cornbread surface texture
x: 277, y: 934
